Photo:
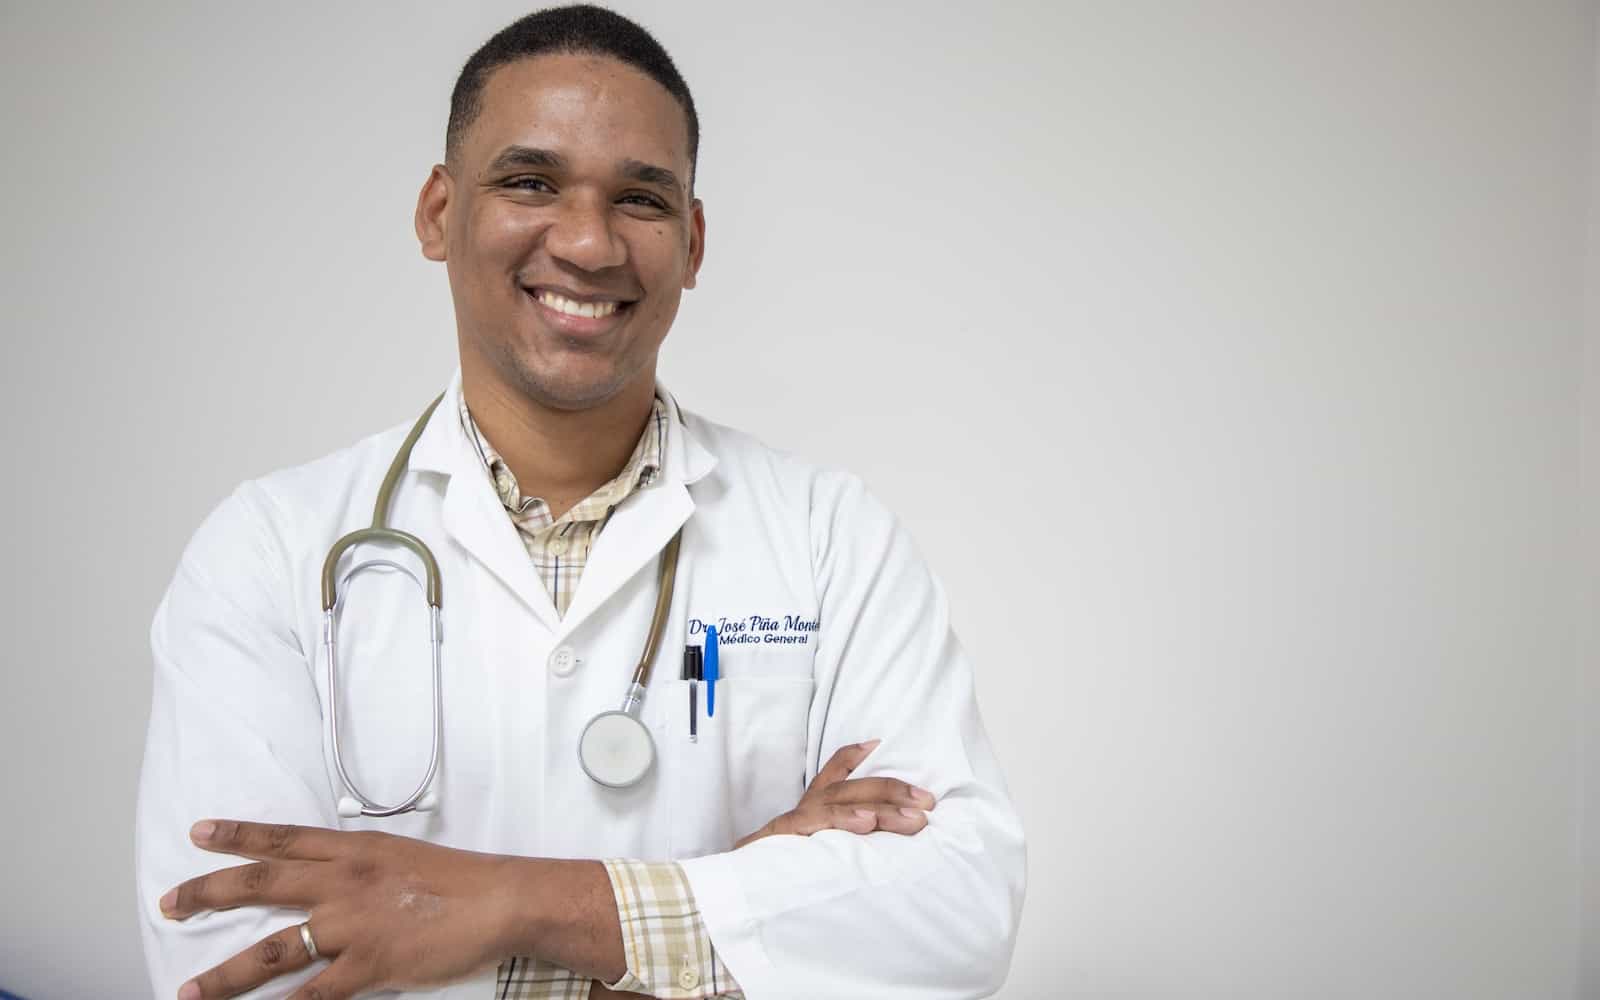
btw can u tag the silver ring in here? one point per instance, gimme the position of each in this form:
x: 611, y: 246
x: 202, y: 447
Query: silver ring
x: 305, y: 939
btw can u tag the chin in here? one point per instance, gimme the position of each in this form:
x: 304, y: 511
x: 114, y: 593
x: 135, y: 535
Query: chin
x: 572, y: 390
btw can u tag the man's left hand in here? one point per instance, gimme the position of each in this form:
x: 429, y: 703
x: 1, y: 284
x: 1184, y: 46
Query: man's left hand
x: 388, y: 911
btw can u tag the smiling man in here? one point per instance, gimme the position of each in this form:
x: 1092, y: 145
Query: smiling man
x: 836, y: 825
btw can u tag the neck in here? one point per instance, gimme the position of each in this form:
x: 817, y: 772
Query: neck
x: 560, y: 456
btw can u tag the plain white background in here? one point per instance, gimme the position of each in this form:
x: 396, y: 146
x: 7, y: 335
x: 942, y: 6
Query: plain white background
x: 1227, y: 359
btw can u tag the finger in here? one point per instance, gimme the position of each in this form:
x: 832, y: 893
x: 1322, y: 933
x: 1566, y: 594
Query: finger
x: 844, y: 760
x: 900, y: 819
x: 869, y: 790
x: 285, y: 883
x: 265, y: 841
x: 811, y: 819
x: 276, y: 955
x: 340, y: 981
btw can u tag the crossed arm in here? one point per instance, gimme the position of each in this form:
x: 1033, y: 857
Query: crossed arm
x: 398, y: 912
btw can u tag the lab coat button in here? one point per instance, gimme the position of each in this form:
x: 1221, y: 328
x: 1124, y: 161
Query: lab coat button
x: 688, y: 978
x: 563, y: 661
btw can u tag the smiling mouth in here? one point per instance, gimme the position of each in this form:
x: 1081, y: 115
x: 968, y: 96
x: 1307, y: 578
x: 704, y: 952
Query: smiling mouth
x: 590, y: 309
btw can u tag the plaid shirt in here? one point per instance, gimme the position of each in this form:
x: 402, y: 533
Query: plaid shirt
x: 664, y: 940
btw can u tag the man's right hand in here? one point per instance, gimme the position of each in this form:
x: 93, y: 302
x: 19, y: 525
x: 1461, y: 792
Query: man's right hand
x: 835, y: 801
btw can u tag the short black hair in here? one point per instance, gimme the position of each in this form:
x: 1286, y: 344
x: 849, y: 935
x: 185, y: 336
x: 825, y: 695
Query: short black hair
x: 580, y: 28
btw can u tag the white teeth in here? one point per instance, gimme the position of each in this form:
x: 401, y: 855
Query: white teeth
x: 591, y: 310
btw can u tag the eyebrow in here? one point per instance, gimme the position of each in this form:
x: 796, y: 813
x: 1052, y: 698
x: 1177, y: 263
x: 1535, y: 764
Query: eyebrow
x: 648, y: 173
x: 529, y: 157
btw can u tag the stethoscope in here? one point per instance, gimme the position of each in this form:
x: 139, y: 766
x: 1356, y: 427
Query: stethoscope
x: 615, y: 748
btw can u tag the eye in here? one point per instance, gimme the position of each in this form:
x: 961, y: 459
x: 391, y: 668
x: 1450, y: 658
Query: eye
x: 647, y: 200
x: 527, y: 184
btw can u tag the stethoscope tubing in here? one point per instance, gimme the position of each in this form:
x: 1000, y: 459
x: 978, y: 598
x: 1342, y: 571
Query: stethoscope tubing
x: 368, y: 806
x: 333, y: 591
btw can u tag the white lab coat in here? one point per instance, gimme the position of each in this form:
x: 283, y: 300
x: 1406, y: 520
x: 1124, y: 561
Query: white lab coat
x: 859, y: 647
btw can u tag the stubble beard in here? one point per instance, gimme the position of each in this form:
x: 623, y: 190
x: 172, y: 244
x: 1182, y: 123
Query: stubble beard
x: 556, y: 390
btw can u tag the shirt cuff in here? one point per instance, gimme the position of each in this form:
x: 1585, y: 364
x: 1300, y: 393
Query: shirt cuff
x: 528, y: 978
x: 664, y: 939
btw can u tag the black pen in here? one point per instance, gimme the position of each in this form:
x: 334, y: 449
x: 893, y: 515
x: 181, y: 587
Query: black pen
x: 694, y: 697
x: 691, y: 673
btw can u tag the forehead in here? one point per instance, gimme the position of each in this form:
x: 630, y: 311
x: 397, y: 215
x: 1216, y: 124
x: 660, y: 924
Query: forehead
x: 579, y: 105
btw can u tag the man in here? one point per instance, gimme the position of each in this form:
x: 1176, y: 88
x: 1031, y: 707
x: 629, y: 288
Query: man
x: 839, y: 826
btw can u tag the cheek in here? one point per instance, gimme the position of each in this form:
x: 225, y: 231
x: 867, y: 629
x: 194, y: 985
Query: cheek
x: 500, y: 231
x: 658, y: 321
x: 662, y: 259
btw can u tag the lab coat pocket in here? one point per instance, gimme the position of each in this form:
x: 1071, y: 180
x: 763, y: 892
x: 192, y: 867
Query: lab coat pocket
x: 747, y: 765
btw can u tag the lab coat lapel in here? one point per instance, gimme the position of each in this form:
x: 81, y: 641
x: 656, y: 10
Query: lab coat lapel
x: 642, y: 525
x: 474, y: 517
x: 637, y: 532
x: 472, y: 514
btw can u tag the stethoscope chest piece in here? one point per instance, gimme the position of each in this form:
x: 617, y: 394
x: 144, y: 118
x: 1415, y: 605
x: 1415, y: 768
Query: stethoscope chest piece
x: 616, y: 749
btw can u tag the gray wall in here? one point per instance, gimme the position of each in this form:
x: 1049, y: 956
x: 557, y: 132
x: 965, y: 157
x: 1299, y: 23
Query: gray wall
x: 1589, y: 662
x: 1226, y: 359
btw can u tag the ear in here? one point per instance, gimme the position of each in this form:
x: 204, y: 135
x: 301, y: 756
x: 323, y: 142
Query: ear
x: 433, y: 203
x: 697, y: 241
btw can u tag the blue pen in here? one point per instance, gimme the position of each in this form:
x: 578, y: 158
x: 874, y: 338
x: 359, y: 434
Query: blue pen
x: 711, y: 671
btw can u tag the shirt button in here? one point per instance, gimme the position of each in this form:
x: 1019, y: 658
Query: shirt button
x: 688, y: 978
x: 558, y: 546
x: 563, y: 661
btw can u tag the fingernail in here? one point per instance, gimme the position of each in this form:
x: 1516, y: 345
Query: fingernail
x: 922, y: 795
x: 913, y: 813
x: 866, y: 814
x: 202, y: 831
x: 169, y: 901
x: 189, y: 991
x: 869, y: 745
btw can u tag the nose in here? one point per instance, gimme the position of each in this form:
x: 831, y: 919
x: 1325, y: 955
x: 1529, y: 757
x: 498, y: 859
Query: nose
x: 581, y: 234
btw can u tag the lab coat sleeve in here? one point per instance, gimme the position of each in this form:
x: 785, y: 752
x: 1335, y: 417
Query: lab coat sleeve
x: 883, y: 915
x: 234, y: 733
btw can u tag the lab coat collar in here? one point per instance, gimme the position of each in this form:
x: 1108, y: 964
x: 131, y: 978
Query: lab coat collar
x: 637, y: 531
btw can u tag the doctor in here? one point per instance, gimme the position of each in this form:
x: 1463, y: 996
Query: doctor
x: 838, y: 828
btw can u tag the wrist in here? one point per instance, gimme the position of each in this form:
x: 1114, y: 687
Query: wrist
x: 562, y: 912
x: 522, y: 913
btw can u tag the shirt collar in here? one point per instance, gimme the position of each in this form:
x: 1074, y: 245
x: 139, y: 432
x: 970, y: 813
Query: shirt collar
x: 444, y: 446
